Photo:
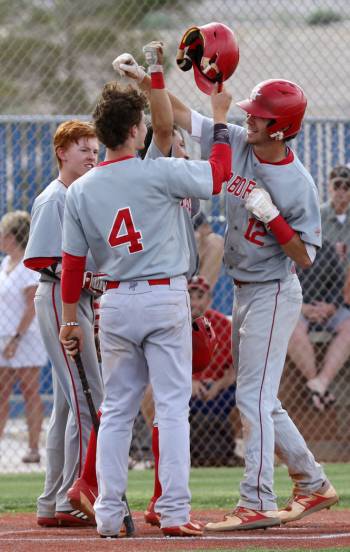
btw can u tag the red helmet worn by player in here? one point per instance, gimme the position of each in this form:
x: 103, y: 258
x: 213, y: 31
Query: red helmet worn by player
x: 280, y: 100
x: 212, y: 50
x: 204, y: 343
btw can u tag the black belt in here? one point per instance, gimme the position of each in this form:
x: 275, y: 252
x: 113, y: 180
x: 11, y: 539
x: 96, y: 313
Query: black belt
x: 239, y: 283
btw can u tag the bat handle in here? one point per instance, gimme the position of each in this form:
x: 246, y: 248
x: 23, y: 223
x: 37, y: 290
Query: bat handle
x: 220, y: 86
x: 128, y: 521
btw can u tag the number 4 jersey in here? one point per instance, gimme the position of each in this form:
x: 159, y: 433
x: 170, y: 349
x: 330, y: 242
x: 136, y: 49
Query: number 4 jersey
x: 128, y: 213
x: 251, y: 251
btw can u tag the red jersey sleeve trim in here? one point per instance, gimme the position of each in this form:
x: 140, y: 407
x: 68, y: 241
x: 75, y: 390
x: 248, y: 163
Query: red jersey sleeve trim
x: 72, y: 277
x: 40, y: 262
x: 220, y: 161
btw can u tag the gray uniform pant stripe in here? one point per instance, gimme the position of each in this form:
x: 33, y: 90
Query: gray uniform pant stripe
x: 264, y: 316
x: 70, y: 422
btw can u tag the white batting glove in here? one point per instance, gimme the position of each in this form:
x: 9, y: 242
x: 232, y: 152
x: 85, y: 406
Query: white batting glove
x: 127, y: 66
x: 259, y: 203
x: 153, y: 52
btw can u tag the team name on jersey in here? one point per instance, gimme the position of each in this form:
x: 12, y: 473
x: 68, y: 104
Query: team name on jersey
x: 240, y: 186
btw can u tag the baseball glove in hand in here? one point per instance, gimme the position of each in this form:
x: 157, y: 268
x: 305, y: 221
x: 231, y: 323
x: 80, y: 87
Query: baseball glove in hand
x: 204, y: 343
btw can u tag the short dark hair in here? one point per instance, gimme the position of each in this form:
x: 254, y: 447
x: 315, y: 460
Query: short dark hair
x: 117, y: 110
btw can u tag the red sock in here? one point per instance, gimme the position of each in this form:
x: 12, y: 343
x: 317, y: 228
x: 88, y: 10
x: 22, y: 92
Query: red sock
x: 157, y: 492
x: 89, y: 469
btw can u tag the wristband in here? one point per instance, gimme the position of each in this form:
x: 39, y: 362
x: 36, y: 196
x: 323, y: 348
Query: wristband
x: 221, y: 135
x: 17, y: 335
x: 281, y: 230
x: 70, y: 324
x: 157, y: 79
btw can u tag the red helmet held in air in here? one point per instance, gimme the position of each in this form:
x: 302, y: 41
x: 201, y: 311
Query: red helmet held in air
x: 212, y: 50
x: 280, y: 100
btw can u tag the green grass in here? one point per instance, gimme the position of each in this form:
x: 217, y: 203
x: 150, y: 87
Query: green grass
x: 337, y: 549
x: 211, y: 488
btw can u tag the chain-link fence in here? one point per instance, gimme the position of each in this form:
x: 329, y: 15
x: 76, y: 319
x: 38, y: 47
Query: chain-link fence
x: 56, y: 56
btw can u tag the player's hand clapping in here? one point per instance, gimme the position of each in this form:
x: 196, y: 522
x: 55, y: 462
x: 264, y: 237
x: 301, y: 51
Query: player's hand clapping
x: 154, y: 52
x: 127, y: 66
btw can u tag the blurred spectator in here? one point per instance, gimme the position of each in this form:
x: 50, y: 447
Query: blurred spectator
x: 324, y: 307
x: 21, y: 350
x: 213, y: 389
x: 210, y: 249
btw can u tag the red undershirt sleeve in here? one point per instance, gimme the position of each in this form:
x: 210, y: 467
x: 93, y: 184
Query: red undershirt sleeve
x: 220, y: 161
x: 40, y: 262
x: 72, y: 277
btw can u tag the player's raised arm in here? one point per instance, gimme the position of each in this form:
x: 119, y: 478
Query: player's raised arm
x: 161, y: 110
x: 221, y: 155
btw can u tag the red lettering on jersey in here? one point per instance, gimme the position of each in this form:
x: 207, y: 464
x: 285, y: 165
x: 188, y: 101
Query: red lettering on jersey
x: 250, y: 186
x: 239, y: 186
x: 251, y: 232
x: 132, y: 236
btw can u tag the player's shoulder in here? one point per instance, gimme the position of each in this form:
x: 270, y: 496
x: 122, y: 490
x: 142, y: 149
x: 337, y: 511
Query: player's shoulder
x: 54, y: 192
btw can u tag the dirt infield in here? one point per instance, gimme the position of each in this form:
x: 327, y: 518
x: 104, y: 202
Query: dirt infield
x: 19, y: 533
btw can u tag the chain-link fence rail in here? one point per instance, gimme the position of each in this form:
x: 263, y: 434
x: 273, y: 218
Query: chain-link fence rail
x: 55, y: 57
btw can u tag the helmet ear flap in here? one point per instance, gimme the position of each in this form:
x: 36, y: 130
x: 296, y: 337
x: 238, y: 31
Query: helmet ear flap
x: 190, y: 50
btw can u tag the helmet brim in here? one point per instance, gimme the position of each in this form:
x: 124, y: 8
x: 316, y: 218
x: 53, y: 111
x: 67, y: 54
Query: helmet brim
x: 250, y: 107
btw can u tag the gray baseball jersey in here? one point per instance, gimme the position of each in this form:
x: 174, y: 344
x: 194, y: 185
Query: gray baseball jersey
x: 191, y: 208
x: 70, y: 421
x: 138, y: 212
x: 267, y: 304
x: 251, y: 250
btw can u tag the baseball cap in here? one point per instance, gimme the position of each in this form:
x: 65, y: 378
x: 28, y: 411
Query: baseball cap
x: 199, y: 282
x: 340, y: 171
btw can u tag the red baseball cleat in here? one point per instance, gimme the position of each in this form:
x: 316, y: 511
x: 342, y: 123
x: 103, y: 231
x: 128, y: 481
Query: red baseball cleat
x: 245, y: 518
x: 73, y: 518
x: 150, y: 515
x: 191, y: 529
x: 47, y: 521
x: 82, y: 497
x: 300, y: 506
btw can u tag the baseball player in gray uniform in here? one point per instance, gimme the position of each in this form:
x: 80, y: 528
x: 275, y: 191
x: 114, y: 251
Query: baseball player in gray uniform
x: 76, y: 148
x: 273, y: 222
x: 162, y: 139
x: 145, y: 322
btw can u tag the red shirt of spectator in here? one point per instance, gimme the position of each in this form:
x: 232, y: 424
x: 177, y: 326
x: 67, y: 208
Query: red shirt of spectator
x: 199, y: 290
x: 222, y: 357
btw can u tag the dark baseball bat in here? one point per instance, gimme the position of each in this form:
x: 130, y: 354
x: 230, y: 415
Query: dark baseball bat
x: 128, y: 521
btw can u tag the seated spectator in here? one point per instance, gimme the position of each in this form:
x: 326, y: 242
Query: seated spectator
x: 210, y: 249
x: 21, y: 349
x: 213, y: 389
x: 323, y: 309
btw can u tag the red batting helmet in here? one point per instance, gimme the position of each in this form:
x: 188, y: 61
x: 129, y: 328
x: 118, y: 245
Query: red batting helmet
x: 204, y: 343
x: 212, y: 51
x: 280, y: 100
